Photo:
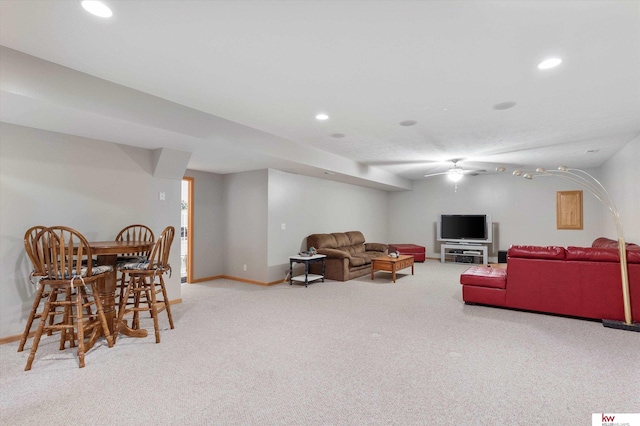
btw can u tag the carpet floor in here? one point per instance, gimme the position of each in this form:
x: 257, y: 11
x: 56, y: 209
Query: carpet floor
x: 363, y: 352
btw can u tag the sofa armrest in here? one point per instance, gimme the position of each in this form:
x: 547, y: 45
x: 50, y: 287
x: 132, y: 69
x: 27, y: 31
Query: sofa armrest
x: 376, y: 247
x: 334, y: 253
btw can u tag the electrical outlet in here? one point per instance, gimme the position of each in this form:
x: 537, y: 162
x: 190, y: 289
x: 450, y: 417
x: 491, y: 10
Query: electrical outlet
x: 283, y: 226
x: 244, y: 267
x: 162, y: 196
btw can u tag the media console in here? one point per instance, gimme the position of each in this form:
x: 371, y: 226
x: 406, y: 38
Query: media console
x: 468, y: 250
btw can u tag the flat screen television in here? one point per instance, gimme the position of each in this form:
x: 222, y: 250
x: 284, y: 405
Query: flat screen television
x: 465, y: 228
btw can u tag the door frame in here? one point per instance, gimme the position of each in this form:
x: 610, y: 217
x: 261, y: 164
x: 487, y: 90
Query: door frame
x: 190, y: 209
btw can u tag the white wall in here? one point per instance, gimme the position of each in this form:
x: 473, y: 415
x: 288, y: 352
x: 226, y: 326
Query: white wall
x: 208, y: 231
x: 523, y: 211
x: 245, y: 198
x: 308, y: 205
x: 95, y: 187
x: 257, y: 203
x: 621, y: 177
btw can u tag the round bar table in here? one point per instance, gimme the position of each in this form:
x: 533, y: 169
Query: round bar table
x: 107, y: 253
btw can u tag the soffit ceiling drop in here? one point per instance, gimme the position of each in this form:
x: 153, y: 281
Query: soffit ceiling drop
x: 407, y: 86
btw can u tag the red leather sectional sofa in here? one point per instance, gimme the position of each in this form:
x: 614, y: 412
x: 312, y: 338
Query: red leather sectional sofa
x: 576, y: 281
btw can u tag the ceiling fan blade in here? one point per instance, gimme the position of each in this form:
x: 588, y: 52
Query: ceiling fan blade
x: 436, y: 174
x: 400, y: 162
x: 466, y: 172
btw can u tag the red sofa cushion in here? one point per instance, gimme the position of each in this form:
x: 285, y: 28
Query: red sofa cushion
x: 633, y: 255
x: 593, y: 254
x: 604, y: 242
x: 483, y: 276
x: 537, y: 252
x: 633, y: 250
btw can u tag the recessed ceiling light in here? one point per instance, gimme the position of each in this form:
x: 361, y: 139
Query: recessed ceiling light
x: 322, y: 117
x: 338, y: 135
x: 549, y: 63
x: 504, y: 105
x: 97, y: 8
x: 407, y: 123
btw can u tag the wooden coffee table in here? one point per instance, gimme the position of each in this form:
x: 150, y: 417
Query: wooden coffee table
x: 391, y: 264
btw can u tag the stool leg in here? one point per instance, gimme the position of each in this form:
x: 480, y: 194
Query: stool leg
x: 65, y: 320
x: 166, y: 302
x: 137, y: 290
x: 154, y: 308
x: 36, y: 339
x: 32, y: 316
x: 80, y: 324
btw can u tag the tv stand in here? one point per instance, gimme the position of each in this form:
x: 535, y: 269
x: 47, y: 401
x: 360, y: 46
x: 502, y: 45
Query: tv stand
x: 475, y: 251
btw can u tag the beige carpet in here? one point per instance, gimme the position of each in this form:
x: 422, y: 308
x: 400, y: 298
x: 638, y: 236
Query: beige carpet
x: 354, y: 353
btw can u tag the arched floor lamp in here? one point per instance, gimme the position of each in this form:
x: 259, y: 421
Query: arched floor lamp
x: 587, y: 181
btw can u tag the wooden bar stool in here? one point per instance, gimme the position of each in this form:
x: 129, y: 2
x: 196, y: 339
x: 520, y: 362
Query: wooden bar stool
x: 34, y: 278
x: 132, y: 233
x: 145, y: 283
x: 64, y: 255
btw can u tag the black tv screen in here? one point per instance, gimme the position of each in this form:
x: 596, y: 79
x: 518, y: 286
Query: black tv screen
x: 463, y: 227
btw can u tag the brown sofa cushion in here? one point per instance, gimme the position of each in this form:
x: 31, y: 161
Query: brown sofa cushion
x: 368, y: 255
x: 342, y: 239
x: 355, y: 237
x: 319, y: 241
x: 334, y: 253
x: 359, y: 260
x: 376, y: 247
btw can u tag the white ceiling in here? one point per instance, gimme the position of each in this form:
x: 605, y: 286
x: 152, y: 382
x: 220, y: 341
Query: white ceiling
x: 238, y: 83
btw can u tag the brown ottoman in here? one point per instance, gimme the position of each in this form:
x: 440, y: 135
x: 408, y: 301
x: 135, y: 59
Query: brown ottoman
x: 418, y: 252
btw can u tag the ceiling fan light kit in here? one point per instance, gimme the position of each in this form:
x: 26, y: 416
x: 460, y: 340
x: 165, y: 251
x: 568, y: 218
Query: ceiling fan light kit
x: 455, y: 175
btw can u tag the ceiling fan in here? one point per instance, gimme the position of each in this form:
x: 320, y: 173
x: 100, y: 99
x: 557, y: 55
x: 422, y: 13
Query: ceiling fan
x: 456, y: 173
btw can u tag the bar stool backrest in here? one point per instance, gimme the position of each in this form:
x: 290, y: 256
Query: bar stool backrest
x: 29, y: 247
x: 63, y: 253
x: 159, y: 258
x: 136, y: 233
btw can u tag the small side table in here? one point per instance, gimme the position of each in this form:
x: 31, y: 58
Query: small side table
x: 306, y: 278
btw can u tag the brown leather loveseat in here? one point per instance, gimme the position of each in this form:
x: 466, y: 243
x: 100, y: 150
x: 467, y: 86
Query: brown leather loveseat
x: 348, y: 255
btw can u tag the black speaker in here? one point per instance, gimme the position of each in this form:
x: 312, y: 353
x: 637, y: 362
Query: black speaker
x: 502, y: 256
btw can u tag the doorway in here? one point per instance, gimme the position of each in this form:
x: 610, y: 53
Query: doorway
x: 186, y: 229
